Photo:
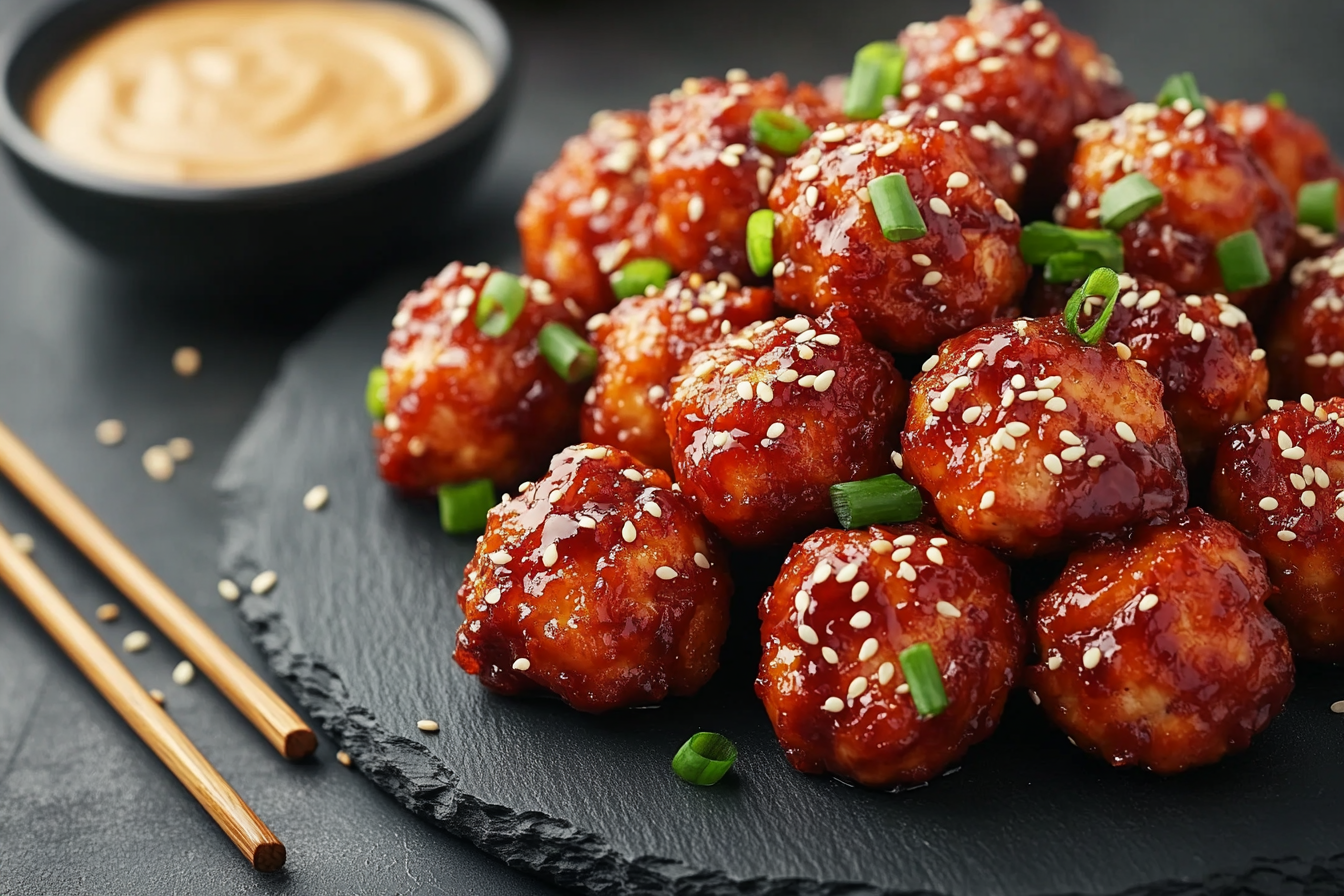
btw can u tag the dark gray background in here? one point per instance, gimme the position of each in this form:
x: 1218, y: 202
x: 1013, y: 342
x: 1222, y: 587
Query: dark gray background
x: 84, y: 807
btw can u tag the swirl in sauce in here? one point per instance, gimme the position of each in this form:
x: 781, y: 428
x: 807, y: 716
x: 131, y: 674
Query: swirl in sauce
x: 247, y: 92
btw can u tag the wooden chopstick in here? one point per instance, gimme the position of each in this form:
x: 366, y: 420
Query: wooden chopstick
x: 272, y: 716
x: 116, y: 683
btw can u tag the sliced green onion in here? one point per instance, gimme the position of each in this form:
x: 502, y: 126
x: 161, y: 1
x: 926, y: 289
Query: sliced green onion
x: 778, y: 130
x: 1317, y: 203
x: 1041, y: 239
x: 502, y: 300
x: 926, y: 682
x: 635, y: 277
x: 879, y: 69
x: 704, y: 759
x: 1127, y: 199
x: 1277, y: 99
x: 462, y: 508
x: 1242, y: 261
x: 375, y: 393
x: 882, y: 499
x: 1181, y: 86
x: 895, y: 208
x: 1066, y: 267
x: 568, y: 353
x: 1102, y: 282
x: 761, y: 241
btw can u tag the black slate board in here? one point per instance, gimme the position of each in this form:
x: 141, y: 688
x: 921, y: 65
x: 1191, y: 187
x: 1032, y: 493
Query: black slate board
x: 362, y: 625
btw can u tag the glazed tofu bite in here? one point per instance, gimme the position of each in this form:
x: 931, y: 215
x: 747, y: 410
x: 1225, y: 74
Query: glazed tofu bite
x: 643, y: 343
x: 887, y: 652
x: 1280, y: 480
x: 1017, y: 66
x: 1307, y: 346
x: 1201, y: 348
x: 1030, y: 441
x: 591, y: 211
x: 1221, y: 223
x: 910, y: 292
x: 599, y: 583
x: 1157, y: 650
x: 462, y: 404
x: 763, y: 422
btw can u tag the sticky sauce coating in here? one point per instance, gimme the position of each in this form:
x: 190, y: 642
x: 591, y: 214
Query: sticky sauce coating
x: 1306, y: 350
x: 833, y: 626
x: 243, y: 92
x: 763, y: 422
x: 1030, y: 441
x: 1157, y: 650
x: 600, y: 583
x: 1280, y: 480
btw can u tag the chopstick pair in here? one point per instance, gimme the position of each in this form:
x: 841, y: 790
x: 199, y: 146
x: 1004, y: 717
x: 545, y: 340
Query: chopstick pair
x: 274, y: 718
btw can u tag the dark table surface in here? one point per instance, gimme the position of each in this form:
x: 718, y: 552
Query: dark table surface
x: 84, y: 806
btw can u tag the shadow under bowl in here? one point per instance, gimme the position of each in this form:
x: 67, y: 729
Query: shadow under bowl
x: 287, y: 239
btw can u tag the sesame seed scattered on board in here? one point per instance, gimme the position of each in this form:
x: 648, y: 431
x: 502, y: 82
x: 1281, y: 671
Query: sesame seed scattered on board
x: 228, y: 590
x: 316, y: 498
x: 23, y: 542
x: 427, y: 725
x: 264, y: 581
x: 110, y: 432
x: 107, y: 613
x: 183, y: 673
x: 158, y: 463
x: 158, y: 696
x: 343, y: 758
x: 135, y: 641
x: 180, y: 449
x: 1337, y: 706
x: 187, y: 361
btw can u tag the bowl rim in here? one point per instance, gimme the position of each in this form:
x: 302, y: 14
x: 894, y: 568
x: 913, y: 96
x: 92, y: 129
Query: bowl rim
x: 477, y: 17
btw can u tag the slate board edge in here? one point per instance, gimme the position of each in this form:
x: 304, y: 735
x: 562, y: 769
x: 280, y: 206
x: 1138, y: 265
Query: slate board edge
x: 535, y: 842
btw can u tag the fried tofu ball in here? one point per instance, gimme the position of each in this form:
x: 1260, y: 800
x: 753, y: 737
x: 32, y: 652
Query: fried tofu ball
x: 1306, y: 351
x: 643, y: 343
x: 462, y: 405
x: 833, y: 626
x: 1290, y: 148
x: 1212, y: 188
x: 905, y: 296
x: 1202, y: 348
x: 1030, y: 441
x: 1280, y: 480
x: 599, y: 583
x: 583, y: 217
x: 1157, y: 650
x: 1017, y: 66
x: 762, y: 423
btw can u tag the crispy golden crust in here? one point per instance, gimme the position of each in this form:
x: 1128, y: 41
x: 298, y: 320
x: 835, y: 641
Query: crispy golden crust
x: 830, y: 674
x: 1157, y: 650
x: 905, y: 296
x: 591, y: 211
x: 1022, y: 436
x: 1280, y: 480
x: 642, y: 344
x: 763, y: 422
x: 632, y: 605
x: 1306, y: 350
x: 1212, y: 188
x: 465, y: 406
x: 1202, y: 348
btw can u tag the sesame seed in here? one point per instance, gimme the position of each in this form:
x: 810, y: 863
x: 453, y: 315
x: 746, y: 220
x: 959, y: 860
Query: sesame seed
x: 587, y: 522
x: 1054, y: 662
x: 903, y: 688
x: 906, y: 571
x: 805, y: 352
x: 1308, y: 403
x: 1299, y: 481
x: 797, y: 325
x: 788, y: 375
x: 822, y: 572
x: 1337, y: 706
x: 808, y: 634
x: 633, y: 475
x: 992, y: 64
x: 1295, y: 453
x: 957, y: 179
x: 1056, y: 404
x: 829, y: 655
x: 158, y: 696
x: 264, y: 581
x: 1004, y: 209
x: 1068, y: 438
x: 858, y: 592
x: 1308, y: 499
x: 1017, y: 429
x: 1073, y: 454
x: 857, y: 687
x: 935, y: 556
x: 158, y: 463
x: 939, y: 206
x: 1053, y: 465
x: 744, y: 390
x: 833, y: 704
x: 428, y: 725
x: 987, y: 500
x: 492, y: 596
x: 861, y: 619
x: 933, y: 278
x: 552, y: 554
x: 666, y: 573
x: 628, y: 532
x: 1125, y: 431
x: 847, y: 573
x: 949, y: 126
x: 343, y: 758
x: 1123, y: 351
x: 923, y: 261
x: 183, y: 673
x: 1198, y: 332
x: 1091, y: 658
x: 135, y: 641
x: 885, y: 673
x: 1286, y: 535
x: 228, y: 590
x: 946, y: 609
x: 107, y: 613
x: 881, y: 546
x: 976, y: 360
x: 187, y: 361
x: 316, y: 498
x: 22, y: 542
x: 824, y: 380
x: 972, y: 414
x: 110, y: 432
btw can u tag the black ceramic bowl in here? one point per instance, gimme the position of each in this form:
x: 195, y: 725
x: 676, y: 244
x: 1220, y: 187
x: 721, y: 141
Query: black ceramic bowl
x: 292, y: 234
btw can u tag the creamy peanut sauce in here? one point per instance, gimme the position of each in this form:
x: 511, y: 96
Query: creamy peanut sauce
x: 246, y: 92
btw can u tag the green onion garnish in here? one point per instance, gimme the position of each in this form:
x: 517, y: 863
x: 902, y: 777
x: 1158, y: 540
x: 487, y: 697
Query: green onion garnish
x: 1066, y: 267
x: 1242, y: 261
x: 926, y: 682
x: 779, y: 131
x: 1277, y: 99
x: 882, y: 499
x: 895, y: 208
x: 1041, y: 239
x: 704, y: 759
x: 1317, y: 203
x: 1102, y: 282
x: 502, y: 300
x: 375, y: 393
x: 879, y: 69
x: 761, y: 241
x: 1181, y: 86
x: 635, y: 277
x: 462, y: 508
x: 568, y: 353
x: 1127, y: 199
